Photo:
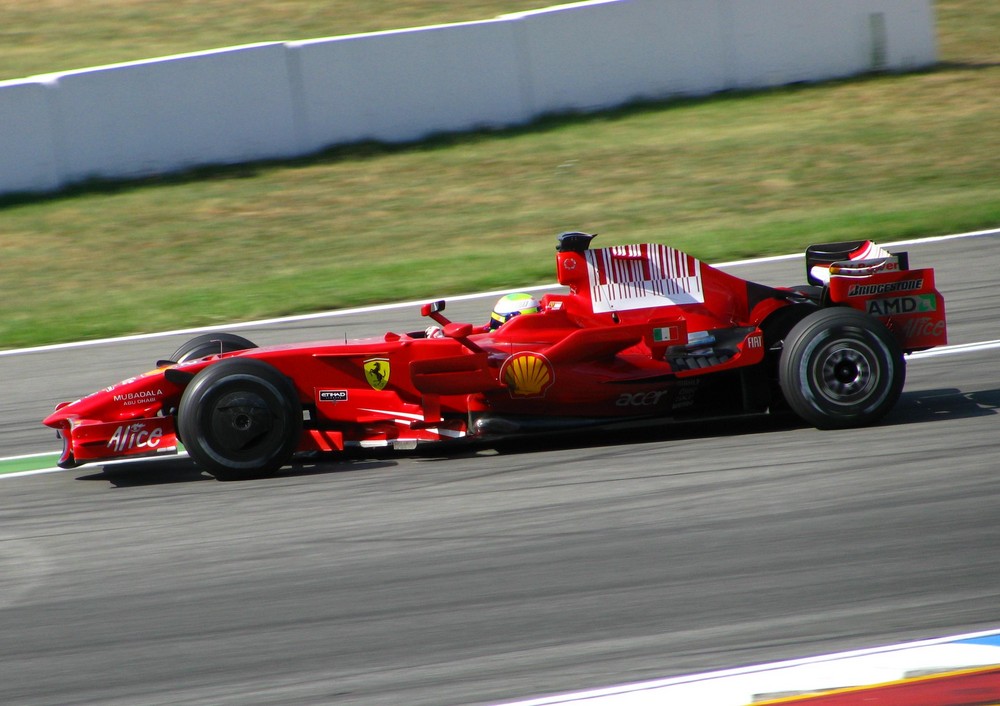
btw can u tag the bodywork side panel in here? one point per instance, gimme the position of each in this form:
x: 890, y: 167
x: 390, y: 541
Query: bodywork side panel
x: 906, y: 301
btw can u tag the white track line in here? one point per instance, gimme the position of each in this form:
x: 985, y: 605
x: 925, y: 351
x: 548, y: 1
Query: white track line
x: 956, y: 349
x: 56, y: 469
x: 658, y: 691
x: 417, y: 303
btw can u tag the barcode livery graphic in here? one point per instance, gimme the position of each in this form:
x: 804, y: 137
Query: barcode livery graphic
x: 638, y: 276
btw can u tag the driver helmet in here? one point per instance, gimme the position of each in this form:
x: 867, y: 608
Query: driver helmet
x: 511, y: 305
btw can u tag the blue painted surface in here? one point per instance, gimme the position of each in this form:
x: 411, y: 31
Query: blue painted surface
x: 993, y: 640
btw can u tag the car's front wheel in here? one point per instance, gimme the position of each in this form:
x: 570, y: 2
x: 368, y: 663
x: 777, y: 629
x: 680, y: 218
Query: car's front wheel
x: 240, y: 418
x: 841, y: 368
x: 210, y: 344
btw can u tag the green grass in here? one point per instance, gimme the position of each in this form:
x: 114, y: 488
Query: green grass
x: 723, y: 177
x: 32, y: 463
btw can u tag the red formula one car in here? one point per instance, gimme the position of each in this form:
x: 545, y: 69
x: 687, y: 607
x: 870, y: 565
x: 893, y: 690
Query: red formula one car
x: 644, y: 332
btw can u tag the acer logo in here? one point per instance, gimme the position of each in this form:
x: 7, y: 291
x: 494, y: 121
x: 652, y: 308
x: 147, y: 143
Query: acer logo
x: 640, y: 399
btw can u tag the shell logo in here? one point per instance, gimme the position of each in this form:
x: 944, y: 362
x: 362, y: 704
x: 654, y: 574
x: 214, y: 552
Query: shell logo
x: 527, y: 374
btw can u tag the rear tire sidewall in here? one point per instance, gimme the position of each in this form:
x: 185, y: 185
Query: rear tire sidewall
x: 240, y: 418
x: 841, y: 368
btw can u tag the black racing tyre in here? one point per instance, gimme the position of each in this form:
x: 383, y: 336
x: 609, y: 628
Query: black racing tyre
x: 776, y: 328
x: 211, y: 344
x: 240, y: 418
x: 841, y: 368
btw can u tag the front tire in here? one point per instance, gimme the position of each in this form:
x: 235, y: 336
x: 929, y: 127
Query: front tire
x: 240, y: 418
x: 841, y: 368
x: 210, y: 344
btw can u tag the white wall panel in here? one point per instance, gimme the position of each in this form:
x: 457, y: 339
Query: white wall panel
x: 788, y: 41
x: 912, y: 41
x: 280, y: 100
x: 156, y: 116
x: 404, y: 85
x: 599, y: 55
x: 27, y: 151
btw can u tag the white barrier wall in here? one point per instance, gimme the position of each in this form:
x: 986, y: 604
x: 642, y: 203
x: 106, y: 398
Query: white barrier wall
x: 604, y: 54
x: 401, y: 86
x: 127, y: 120
x: 287, y: 99
x: 27, y: 148
x: 825, y: 39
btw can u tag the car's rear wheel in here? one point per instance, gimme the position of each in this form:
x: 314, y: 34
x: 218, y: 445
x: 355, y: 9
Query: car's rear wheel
x: 211, y: 344
x: 240, y: 418
x: 841, y: 368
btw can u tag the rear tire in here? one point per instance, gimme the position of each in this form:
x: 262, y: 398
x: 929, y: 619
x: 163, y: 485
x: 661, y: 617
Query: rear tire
x: 841, y: 368
x: 776, y: 328
x: 240, y: 418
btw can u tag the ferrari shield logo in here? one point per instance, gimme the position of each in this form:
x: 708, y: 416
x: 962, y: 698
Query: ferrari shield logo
x: 377, y: 372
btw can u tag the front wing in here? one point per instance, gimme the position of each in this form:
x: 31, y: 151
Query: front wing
x: 85, y: 441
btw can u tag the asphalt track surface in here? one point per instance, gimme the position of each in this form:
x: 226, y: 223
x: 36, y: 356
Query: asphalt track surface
x: 490, y: 577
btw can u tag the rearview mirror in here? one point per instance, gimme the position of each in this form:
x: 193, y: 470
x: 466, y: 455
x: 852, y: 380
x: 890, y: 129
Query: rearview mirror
x: 432, y: 308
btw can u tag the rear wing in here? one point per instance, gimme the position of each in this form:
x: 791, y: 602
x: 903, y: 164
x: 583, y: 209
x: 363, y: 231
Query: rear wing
x: 855, y: 257
x: 865, y: 276
x: 650, y: 281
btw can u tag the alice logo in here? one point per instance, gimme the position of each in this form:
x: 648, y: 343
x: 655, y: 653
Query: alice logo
x: 527, y: 374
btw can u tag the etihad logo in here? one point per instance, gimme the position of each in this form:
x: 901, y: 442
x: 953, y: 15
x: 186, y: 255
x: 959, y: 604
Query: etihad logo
x: 377, y: 372
x: 527, y: 374
x: 333, y: 395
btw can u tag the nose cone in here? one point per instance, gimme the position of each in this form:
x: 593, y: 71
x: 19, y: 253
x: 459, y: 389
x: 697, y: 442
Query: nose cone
x: 94, y: 406
x: 59, y: 419
x: 137, y: 397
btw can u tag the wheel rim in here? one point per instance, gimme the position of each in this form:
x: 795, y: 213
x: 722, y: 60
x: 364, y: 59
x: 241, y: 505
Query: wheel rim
x: 846, y: 372
x: 241, y: 422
